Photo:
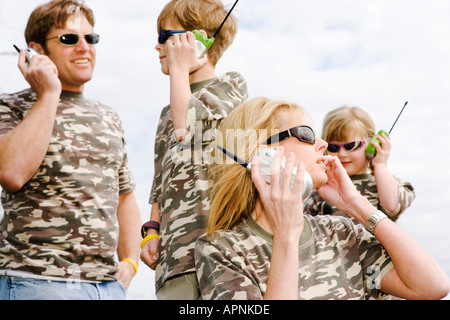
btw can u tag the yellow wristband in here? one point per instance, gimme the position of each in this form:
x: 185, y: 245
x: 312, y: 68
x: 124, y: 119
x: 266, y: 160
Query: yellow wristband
x: 132, y: 263
x: 150, y: 236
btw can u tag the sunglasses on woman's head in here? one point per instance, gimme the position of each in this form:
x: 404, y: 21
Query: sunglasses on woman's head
x: 72, y: 39
x: 302, y: 133
x: 349, y: 146
x: 166, y: 34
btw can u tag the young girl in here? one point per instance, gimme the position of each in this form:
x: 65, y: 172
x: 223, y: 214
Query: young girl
x: 348, y: 131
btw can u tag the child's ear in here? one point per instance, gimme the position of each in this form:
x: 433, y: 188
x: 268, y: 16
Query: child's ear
x: 203, y: 32
x: 36, y: 46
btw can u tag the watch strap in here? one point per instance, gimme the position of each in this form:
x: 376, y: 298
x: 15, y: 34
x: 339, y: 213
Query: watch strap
x: 149, y: 225
x: 373, y: 220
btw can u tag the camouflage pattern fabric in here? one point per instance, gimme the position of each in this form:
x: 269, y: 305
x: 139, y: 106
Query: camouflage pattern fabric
x: 181, y: 186
x: 63, y: 222
x: 366, y: 185
x: 337, y: 260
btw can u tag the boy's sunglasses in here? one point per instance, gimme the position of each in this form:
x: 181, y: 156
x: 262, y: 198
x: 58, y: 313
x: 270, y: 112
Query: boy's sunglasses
x: 302, y: 133
x: 166, y: 34
x: 71, y: 39
x: 349, y: 146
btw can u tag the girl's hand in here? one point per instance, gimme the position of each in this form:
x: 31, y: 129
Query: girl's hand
x: 383, y: 151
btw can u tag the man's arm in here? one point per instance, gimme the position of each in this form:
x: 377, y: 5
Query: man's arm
x: 129, y: 237
x: 24, y: 147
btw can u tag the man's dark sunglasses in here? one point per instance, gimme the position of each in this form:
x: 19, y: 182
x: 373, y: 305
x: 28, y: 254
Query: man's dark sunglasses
x: 302, y: 133
x: 166, y: 34
x: 71, y: 39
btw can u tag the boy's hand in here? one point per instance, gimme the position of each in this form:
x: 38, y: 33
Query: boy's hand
x: 149, y: 253
x: 181, y: 53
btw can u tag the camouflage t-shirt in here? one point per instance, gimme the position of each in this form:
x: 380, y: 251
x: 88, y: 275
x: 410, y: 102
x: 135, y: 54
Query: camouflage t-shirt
x: 366, y: 185
x: 337, y: 260
x: 181, y: 186
x: 63, y: 222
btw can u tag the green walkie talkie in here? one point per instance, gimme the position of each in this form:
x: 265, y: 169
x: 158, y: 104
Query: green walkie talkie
x: 203, y: 43
x: 370, y: 150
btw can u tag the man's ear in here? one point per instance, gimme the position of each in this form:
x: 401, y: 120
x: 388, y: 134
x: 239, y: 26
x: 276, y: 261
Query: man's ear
x: 36, y: 46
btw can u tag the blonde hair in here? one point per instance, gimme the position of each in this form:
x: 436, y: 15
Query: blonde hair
x: 339, y: 124
x: 234, y: 195
x: 204, y: 15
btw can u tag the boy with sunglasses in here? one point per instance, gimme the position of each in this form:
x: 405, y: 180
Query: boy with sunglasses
x: 67, y: 188
x: 348, y: 131
x: 199, y: 100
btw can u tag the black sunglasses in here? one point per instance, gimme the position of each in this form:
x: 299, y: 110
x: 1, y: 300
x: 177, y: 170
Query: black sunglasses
x: 302, y: 133
x: 71, y: 39
x: 349, y: 146
x: 166, y: 34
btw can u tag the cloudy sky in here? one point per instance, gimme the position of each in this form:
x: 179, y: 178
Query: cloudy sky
x: 322, y: 54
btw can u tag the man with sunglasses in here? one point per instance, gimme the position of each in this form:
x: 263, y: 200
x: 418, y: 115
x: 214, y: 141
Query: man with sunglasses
x: 67, y: 188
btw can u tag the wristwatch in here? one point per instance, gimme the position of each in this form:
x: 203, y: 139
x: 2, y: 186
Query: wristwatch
x: 373, y: 220
x: 149, y: 225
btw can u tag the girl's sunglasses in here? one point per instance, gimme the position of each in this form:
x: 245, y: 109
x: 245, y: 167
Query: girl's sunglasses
x: 349, y: 146
x: 302, y: 133
x: 72, y: 39
x: 166, y: 34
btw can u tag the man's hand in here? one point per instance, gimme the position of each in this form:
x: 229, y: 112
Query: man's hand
x: 41, y: 73
x: 125, y: 273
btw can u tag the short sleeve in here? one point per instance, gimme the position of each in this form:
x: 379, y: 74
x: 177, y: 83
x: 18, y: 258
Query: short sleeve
x: 221, y: 274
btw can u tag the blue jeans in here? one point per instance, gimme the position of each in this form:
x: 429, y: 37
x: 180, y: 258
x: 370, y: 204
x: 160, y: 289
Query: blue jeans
x: 15, y: 288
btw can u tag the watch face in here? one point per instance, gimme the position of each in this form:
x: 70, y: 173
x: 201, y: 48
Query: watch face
x: 373, y: 220
x: 149, y: 225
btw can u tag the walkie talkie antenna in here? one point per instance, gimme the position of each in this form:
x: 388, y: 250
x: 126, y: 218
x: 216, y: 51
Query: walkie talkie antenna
x: 242, y: 162
x: 223, y: 22
x: 398, y: 116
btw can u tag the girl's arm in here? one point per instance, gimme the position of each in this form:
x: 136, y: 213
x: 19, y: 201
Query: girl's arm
x: 386, y: 184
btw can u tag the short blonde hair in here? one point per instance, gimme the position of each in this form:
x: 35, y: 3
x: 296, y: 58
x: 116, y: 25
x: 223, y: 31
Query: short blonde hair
x: 234, y: 195
x: 204, y: 15
x: 339, y: 124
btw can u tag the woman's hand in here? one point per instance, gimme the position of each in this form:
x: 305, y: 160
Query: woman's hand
x: 282, y: 204
x: 283, y: 211
x: 339, y: 189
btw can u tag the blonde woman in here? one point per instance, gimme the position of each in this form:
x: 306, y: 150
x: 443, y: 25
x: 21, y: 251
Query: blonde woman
x: 348, y: 131
x: 259, y: 245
